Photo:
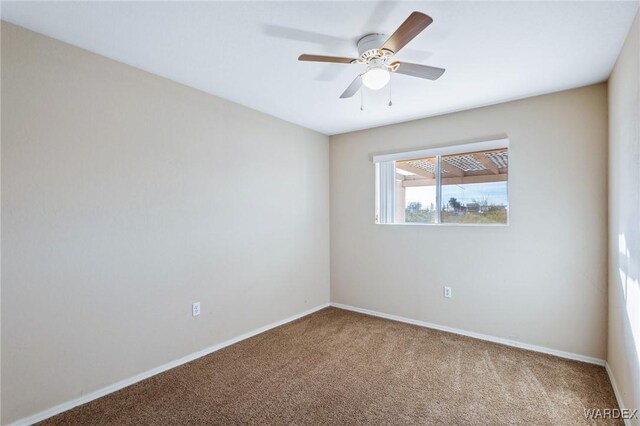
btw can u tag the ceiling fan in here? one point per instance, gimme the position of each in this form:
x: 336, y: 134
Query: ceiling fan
x: 377, y: 55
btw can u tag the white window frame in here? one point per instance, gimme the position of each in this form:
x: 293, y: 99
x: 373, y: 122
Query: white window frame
x: 436, y: 152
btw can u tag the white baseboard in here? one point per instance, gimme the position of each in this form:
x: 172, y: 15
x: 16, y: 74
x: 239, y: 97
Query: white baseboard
x: 127, y: 382
x: 500, y: 340
x: 612, y: 379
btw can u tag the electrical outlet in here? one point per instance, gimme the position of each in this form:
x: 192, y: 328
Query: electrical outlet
x: 447, y: 292
x: 195, y: 309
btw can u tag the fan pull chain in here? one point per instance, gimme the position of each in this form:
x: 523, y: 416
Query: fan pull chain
x: 362, y: 99
x: 390, y: 103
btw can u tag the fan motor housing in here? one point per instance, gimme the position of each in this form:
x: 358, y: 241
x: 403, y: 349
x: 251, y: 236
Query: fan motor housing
x: 369, y: 45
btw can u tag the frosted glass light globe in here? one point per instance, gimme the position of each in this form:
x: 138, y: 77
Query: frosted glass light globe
x: 376, y: 78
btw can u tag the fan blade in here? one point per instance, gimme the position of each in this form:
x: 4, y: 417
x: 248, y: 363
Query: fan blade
x: 320, y: 58
x: 353, y: 88
x: 420, y: 71
x: 415, y: 23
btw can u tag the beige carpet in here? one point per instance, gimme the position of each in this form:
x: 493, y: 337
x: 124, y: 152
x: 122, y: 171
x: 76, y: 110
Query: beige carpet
x: 339, y: 367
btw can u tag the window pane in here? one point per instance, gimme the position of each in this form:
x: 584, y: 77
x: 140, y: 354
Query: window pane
x: 416, y: 191
x: 474, y: 187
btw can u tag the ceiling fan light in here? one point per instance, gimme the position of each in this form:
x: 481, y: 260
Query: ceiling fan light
x: 376, y: 78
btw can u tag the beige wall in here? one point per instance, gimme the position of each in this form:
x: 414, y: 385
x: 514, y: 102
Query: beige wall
x: 542, y: 280
x: 125, y: 198
x: 624, y: 221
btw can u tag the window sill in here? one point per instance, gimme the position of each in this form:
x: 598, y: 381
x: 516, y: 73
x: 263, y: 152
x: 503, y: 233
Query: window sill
x: 489, y: 225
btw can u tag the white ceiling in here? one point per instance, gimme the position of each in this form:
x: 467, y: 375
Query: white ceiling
x: 247, y: 51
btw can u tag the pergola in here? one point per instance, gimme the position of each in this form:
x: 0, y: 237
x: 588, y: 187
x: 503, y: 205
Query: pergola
x: 475, y: 167
x: 457, y: 169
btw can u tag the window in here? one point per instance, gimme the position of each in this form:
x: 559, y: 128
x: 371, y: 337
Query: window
x: 465, y: 184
